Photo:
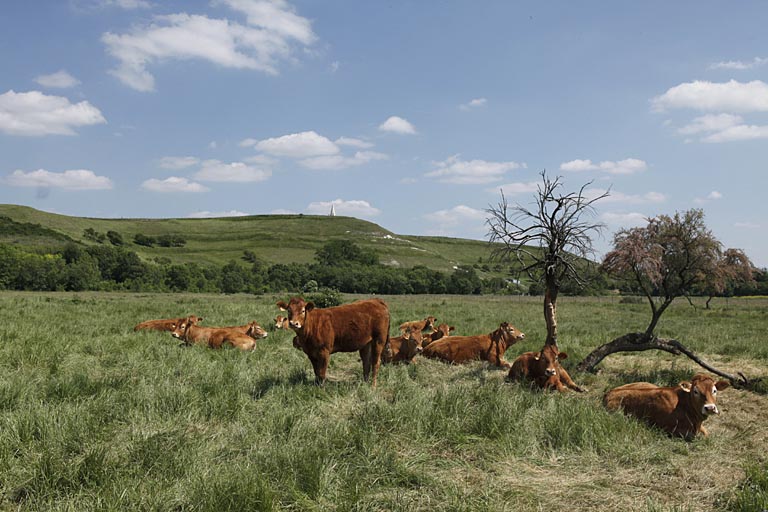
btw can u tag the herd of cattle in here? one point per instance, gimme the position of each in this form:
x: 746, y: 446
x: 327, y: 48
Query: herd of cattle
x: 364, y: 327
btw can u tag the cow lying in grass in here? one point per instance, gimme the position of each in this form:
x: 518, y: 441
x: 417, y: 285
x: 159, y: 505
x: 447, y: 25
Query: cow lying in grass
x: 361, y: 326
x: 678, y: 410
x: 402, y: 349
x: 243, y: 337
x: 442, y: 331
x: 420, y: 325
x: 543, y: 370
x: 485, y: 347
x: 167, y: 324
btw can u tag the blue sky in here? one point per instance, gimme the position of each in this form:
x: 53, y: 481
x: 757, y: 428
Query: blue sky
x: 412, y: 114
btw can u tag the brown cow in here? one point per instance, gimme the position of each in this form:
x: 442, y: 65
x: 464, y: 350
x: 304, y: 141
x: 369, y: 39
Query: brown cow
x: 543, y: 369
x: 421, y: 325
x: 168, y: 324
x: 361, y: 326
x: 281, y: 322
x: 216, y: 337
x: 679, y: 410
x: 402, y: 349
x: 486, y: 347
x: 442, y: 331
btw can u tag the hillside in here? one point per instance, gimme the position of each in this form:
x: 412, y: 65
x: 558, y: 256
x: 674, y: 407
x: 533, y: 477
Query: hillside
x: 273, y: 238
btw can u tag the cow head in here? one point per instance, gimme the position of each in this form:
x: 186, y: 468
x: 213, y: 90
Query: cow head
x: 429, y: 323
x: 411, y: 345
x: 297, y: 310
x: 255, y: 331
x: 281, y: 322
x: 547, y: 361
x: 442, y: 331
x: 702, y: 391
x: 507, y: 333
x: 180, y: 330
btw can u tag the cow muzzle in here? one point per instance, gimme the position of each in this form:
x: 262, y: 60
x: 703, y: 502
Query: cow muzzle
x: 549, y: 372
x: 709, y: 409
x: 295, y: 325
x: 176, y: 335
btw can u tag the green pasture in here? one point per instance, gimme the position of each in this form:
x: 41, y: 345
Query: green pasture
x: 94, y: 416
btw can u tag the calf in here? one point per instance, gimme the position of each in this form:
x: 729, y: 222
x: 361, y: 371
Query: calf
x: 281, y: 322
x: 242, y: 337
x: 402, y: 349
x: 486, y: 347
x: 678, y: 410
x: 168, y: 324
x: 362, y: 326
x: 421, y: 325
x: 442, y: 331
x: 543, y: 369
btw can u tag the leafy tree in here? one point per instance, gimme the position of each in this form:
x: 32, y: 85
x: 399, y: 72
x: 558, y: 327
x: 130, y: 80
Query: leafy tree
x: 171, y: 241
x: 93, y: 235
x: 82, y: 274
x: 341, y: 252
x: 732, y: 269
x: 465, y: 281
x: 234, y: 278
x: 667, y: 258
x: 551, y: 242
x: 115, y: 238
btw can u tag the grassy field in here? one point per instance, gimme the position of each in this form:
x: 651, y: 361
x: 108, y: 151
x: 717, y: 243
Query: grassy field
x: 274, y: 238
x: 94, y: 416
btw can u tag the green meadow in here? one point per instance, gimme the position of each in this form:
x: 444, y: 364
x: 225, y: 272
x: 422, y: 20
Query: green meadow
x: 94, y: 416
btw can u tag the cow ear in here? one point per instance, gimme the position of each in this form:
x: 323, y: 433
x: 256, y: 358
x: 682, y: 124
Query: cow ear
x: 722, y: 384
x: 451, y: 328
x: 309, y: 306
x: 562, y: 355
x: 685, y: 386
x: 537, y: 356
x: 282, y: 305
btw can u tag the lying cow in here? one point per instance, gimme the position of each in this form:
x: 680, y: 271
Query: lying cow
x: 242, y: 337
x: 402, y: 349
x: 421, y: 325
x: 281, y: 322
x: 362, y: 326
x: 485, y: 347
x: 442, y: 331
x: 168, y: 324
x: 679, y: 410
x: 543, y: 370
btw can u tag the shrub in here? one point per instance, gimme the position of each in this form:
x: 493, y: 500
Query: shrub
x: 325, y: 298
x: 146, y: 241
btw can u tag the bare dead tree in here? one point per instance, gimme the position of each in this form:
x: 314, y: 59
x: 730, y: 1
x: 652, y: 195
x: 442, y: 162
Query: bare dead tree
x: 666, y: 259
x: 550, y: 242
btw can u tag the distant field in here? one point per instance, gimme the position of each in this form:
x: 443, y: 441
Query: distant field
x: 274, y: 238
x: 96, y: 417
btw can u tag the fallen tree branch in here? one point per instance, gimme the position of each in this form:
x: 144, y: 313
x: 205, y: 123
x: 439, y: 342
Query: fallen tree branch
x: 639, y: 342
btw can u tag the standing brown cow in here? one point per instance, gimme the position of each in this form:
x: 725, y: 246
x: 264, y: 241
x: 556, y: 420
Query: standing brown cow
x: 167, y: 324
x: 679, y: 410
x: 543, y: 369
x: 361, y: 326
x: 486, y: 347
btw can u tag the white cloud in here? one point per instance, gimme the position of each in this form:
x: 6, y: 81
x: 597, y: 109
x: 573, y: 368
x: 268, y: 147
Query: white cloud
x: 59, y: 80
x: 122, y: 4
x: 624, y: 220
x: 399, y: 125
x: 354, y: 208
x: 79, y: 179
x: 710, y: 123
x: 280, y: 211
x: 458, y: 219
x: 516, y: 189
x: 626, y: 166
x: 178, y: 162
x: 334, y: 67
x: 172, y: 185
x: 246, y: 143
x: 471, y: 172
x: 738, y: 64
x: 213, y: 215
x: 712, y: 196
x: 472, y: 104
x: 262, y: 160
x: 355, y: 143
x: 298, y: 145
x: 620, y: 197
x: 335, y: 162
x: 34, y: 114
x: 730, y: 96
x: 456, y: 214
x: 272, y: 29
x: 237, y: 172
x: 740, y: 132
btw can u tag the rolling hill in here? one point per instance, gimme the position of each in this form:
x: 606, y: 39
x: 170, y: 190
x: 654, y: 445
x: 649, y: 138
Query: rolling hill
x: 273, y: 238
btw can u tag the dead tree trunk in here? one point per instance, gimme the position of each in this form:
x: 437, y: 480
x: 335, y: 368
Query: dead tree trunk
x: 639, y: 342
x: 550, y: 315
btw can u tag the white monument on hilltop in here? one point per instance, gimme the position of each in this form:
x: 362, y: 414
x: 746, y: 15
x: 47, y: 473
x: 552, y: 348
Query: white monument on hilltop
x: 333, y: 211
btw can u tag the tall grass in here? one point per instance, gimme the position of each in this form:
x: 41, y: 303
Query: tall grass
x: 96, y: 417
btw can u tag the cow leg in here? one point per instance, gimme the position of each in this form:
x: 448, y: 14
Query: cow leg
x: 365, y: 357
x: 377, y: 347
x: 568, y: 381
x: 320, y: 365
